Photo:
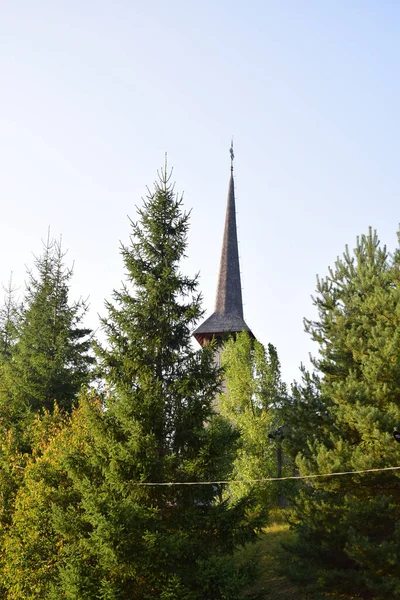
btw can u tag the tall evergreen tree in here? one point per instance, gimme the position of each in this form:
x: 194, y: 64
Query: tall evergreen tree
x: 50, y: 359
x: 121, y: 535
x: 348, y: 527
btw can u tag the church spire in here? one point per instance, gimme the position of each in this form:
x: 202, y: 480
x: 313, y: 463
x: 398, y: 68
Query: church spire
x: 228, y: 315
x: 229, y: 290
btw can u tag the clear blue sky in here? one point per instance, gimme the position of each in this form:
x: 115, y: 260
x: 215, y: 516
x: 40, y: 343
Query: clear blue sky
x: 94, y: 92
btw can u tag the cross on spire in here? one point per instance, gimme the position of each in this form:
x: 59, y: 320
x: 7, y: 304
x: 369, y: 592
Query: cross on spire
x: 232, y: 155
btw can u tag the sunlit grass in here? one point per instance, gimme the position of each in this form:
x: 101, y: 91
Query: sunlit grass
x: 268, y: 554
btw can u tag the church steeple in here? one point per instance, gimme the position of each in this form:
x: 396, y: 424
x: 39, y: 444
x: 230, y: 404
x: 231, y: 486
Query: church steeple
x: 228, y: 315
x: 229, y: 290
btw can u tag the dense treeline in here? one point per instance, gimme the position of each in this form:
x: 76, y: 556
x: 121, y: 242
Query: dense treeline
x: 78, y: 520
x: 87, y: 431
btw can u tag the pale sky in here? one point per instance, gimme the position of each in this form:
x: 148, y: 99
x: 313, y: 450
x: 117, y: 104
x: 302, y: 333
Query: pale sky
x: 93, y: 93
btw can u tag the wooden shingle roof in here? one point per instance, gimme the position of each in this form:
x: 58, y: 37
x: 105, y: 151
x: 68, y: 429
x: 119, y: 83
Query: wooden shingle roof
x: 228, y: 314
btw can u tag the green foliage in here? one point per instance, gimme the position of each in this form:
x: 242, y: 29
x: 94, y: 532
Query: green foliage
x: 33, y: 549
x: 49, y: 360
x: 254, y: 394
x: 10, y: 314
x: 306, y: 412
x: 44, y: 360
x: 108, y: 534
x: 348, y: 527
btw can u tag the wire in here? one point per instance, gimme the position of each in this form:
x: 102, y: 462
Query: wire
x: 173, y: 483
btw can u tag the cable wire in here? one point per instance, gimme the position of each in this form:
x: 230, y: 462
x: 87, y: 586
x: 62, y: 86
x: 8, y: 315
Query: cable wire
x: 262, y: 480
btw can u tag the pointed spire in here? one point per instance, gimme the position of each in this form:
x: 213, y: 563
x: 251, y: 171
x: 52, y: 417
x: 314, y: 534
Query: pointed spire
x: 228, y: 314
x: 229, y: 290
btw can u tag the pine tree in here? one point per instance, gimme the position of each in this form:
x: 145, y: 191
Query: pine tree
x: 306, y: 414
x: 119, y: 535
x: 348, y: 527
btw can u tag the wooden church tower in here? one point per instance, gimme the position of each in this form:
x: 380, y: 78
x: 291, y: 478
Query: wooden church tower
x: 227, y: 317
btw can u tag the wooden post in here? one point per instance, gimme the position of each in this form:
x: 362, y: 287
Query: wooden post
x: 281, y: 500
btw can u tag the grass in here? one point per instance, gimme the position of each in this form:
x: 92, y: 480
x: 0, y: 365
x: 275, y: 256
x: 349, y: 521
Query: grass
x: 271, y: 584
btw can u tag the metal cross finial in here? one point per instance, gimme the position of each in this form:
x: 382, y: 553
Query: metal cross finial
x: 232, y: 154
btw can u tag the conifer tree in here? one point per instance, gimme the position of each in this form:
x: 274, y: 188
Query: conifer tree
x: 348, y: 527
x: 9, y: 318
x: 50, y: 359
x: 119, y: 534
x: 306, y: 414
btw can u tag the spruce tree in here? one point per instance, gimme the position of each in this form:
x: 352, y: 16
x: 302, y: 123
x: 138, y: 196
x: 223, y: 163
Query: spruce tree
x: 50, y: 359
x: 10, y: 314
x: 119, y: 534
x: 348, y: 527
